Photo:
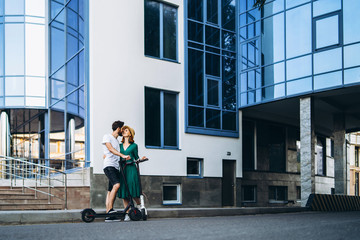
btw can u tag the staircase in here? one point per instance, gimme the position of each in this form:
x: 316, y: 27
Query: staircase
x: 15, y: 199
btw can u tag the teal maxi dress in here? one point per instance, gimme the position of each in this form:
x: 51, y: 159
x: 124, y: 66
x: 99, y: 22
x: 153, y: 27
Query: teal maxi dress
x: 130, y: 172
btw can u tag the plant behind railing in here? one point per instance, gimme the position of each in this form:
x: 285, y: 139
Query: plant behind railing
x: 35, y: 177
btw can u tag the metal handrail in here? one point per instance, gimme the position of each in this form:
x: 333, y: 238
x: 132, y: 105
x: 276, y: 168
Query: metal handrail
x: 37, y: 173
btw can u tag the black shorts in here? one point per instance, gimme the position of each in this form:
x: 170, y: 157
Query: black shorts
x: 113, y: 175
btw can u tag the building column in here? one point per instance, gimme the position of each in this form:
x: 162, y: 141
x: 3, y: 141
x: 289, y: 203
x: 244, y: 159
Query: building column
x: 340, y: 155
x: 307, y: 149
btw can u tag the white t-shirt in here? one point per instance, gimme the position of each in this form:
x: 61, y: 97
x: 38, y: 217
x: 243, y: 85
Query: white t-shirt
x: 111, y: 160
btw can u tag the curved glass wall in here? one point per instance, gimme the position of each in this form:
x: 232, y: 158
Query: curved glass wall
x: 67, y: 83
x: 22, y: 53
x: 293, y: 47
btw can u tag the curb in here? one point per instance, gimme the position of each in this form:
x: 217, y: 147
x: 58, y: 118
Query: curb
x: 72, y: 216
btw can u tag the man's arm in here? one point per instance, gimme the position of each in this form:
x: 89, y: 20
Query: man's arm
x: 115, y: 152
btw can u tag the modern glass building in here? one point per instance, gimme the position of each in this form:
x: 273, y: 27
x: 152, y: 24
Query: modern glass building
x: 42, y: 79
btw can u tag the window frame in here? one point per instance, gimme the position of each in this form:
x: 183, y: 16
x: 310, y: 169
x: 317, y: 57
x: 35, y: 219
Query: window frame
x: 254, y: 197
x: 178, y: 194
x: 340, y: 31
x: 162, y: 120
x: 200, y: 166
x: 161, y: 32
x: 276, y: 193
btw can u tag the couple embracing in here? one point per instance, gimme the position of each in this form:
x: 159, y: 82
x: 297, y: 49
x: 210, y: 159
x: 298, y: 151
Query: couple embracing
x: 126, y: 152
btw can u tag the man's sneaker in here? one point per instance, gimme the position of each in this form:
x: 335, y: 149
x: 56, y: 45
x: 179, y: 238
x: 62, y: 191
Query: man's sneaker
x: 127, y: 218
x: 111, y: 219
x: 111, y: 211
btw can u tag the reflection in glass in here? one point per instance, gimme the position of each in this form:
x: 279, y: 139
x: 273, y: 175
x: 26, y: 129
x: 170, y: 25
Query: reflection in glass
x: 14, y: 101
x: 212, y: 11
x: 212, y: 36
x: 35, y: 86
x: 228, y: 14
x: 195, y: 77
x: 57, y: 44
x: 293, y: 3
x: 299, y: 67
x: 14, y: 86
x: 213, y: 92
x: 273, y: 39
x: 273, y: 74
x: 169, y: 35
x: 152, y: 28
x: 298, y: 31
x: 195, y: 31
x: 195, y: 10
x: 35, y: 8
x: 55, y: 8
x: 1, y: 49
x: 327, y: 31
x: 14, y: 7
x: 229, y: 84
x: 351, y: 21
x: 213, y: 64
x: 196, y: 117
x: 35, y: 49
x: 273, y: 92
x: 14, y: 49
x: 299, y: 86
x: 352, y: 55
x: 35, y: 101
x: 321, y: 7
x: 328, y: 80
x: 272, y: 8
x: 352, y: 76
x: 228, y: 41
x: 328, y: 60
x: 1, y: 86
x: 213, y: 118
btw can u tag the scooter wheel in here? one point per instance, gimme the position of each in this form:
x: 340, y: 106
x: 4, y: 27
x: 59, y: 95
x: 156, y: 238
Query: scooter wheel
x: 144, y: 215
x: 135, y: 214
x: 88, y: 215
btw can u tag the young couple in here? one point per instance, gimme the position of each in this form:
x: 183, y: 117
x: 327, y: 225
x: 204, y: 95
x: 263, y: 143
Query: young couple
x: 126, y: 152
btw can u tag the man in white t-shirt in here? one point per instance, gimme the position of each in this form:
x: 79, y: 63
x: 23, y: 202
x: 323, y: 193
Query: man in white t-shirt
x: 112, y: 154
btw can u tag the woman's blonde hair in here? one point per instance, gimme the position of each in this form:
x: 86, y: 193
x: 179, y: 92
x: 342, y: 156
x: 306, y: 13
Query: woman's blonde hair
x: 132, y: 134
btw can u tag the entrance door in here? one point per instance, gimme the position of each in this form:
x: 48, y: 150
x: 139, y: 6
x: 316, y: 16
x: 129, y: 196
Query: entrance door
x: 228, y: 183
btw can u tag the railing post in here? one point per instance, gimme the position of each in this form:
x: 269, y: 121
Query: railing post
x: 49, y: 189
x: 10, y: 171
x: 35, y: 185
x: 65, y: 191
x: 23, y: 176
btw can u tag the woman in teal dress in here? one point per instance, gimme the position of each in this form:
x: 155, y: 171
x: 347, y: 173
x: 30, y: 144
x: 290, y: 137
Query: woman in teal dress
x: 129, y: 147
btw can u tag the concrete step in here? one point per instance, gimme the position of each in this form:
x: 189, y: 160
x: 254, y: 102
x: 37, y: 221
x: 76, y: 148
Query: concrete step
x: 24, y: 201
x: 10, y: 191
x: 16, y: 196
x: 38, y: 206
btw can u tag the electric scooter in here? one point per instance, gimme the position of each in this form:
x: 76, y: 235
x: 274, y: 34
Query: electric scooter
x: 88, y: 214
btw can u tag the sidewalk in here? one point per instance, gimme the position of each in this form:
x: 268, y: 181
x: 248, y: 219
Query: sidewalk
x: 68, y: 216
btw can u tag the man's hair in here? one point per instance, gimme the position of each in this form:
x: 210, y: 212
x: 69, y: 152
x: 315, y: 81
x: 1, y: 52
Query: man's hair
x: 117, y: 124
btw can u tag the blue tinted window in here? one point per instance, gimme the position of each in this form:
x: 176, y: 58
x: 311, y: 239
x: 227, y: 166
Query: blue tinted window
x: 352, y: 55
x: 195, y: 77
x: 299, y: 67
x: 327, y: 31
x: 170, y: 29
x: 273, y: 39
x: 273, y: 7
x: 328, y: 61
x: 321, y: 7
x: 293, y: 3
x: 195, y: 10
x: 274, y: 74
x: 195, y: 31
x: 228, y: 41
x: 14, y: 86
x: 1, y: 86
x: 1, y: 49
x: 228, y: 14
x: 229, y: 84
x: 212, y: 11
x: 14, y: 101
x: 213, y: 118
x: 328, y: 80
x: 1, y: 7
x: 298, y: 33
x: 57, y: 89
x: 352, y: 76
x: 272, y: 92
x: 212, y: 64
x: 152, y: 28
x: 229, y: 121
x: 196, y: 116
x: 14, y: 49
x: 351, y: 22
x: 57, y: 44
x: 170, y: 119
x: 55, y: 8
x: 299, y: 86
x: 72, y: 73
x: 14, y: 7
x: 213, y: 92
x: 212, y: 36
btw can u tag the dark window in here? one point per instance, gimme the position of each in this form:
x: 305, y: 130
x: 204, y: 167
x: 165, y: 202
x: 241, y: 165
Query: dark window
x: 248, y: 145
x: 248, y: 193
x: 212, y: 11
x: 277, y: 194
x: 161, y: 118
x: 327, y: 31
x: 298, y: 192
x: 271, y: 147
x: 356, y: 156
x: 357, y: 184
x: 160, y: 30
x: 332, y: 148
x: 194, y: 167
x: 171, y: 194
x: 321, y: 156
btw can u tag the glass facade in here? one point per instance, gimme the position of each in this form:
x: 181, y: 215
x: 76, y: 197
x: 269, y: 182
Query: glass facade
x: 211, y: 102
x: 290, y: 47
x: 46, y: 107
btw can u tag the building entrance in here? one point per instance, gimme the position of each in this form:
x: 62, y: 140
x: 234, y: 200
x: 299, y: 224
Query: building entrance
x: 228, y: 183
